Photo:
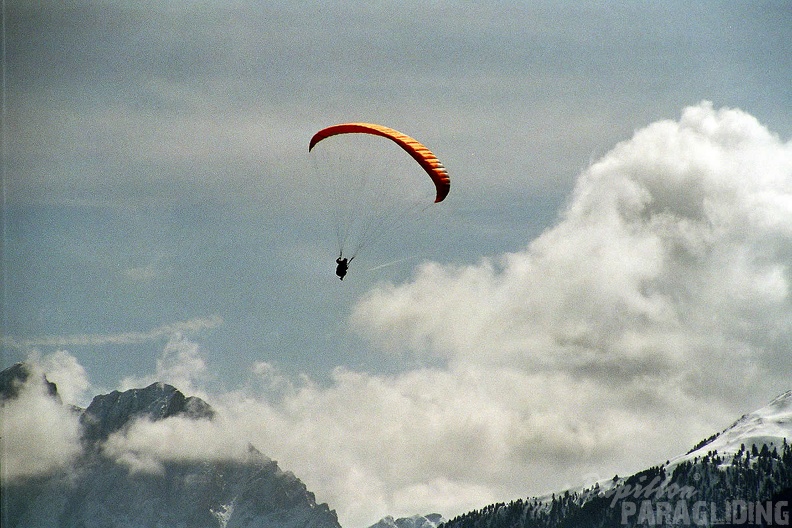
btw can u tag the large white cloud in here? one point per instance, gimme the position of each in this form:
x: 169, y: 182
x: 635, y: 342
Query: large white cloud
x: 674, y: 247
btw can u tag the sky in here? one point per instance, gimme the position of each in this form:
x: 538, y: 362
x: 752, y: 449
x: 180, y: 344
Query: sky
x: 612, y: 263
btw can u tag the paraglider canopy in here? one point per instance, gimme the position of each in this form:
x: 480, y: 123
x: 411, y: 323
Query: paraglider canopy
x: 369, y: 192
x: 436, y: 171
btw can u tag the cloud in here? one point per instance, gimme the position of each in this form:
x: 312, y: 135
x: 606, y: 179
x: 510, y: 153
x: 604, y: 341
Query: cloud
x: 181, y: 364
x: 39, y: 433
x: 364, y: 443
x: 145, y: 445
x: 122, y: 338
x: 65, y: 371
x: 674, y: 247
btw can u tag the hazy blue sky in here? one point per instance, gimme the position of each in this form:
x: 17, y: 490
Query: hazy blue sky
x: 162, y: 218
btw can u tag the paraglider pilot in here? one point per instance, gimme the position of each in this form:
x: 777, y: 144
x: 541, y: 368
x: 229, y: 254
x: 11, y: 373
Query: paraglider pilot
x: 342, y: 267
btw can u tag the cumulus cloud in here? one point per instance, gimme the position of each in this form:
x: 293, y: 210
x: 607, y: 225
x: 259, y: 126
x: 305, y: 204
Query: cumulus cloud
x: 181, y: 364
x: 673, y: 247
x: 65, y: 371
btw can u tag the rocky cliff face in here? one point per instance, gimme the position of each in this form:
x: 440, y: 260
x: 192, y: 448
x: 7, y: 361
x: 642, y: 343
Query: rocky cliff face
x: 97, y: 491
x: 253, y: 493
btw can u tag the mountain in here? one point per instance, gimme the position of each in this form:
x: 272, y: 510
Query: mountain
x: 770, y: 425
x: 741, y: 476
x: 109, y: 413
x: 433, y: 520
x: 97, y: 491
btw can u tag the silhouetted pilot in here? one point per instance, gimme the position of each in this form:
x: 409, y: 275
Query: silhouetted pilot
x: 342, y: 267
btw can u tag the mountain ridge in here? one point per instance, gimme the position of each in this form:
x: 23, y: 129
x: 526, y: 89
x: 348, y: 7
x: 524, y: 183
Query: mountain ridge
x: 431, y: 520
x: 766, y: 425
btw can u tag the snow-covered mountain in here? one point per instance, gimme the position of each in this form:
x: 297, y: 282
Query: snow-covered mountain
x: 97, y: 491
x: 433, y: 520
x: 741, y: 476
x: 771, y: 425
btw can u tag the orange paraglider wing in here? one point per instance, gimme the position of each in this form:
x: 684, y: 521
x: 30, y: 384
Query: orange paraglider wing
x: 436, y: 171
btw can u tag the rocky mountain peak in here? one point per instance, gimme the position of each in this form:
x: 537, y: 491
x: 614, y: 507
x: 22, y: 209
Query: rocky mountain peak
x: 109, y: 413
x: 432, y: 520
